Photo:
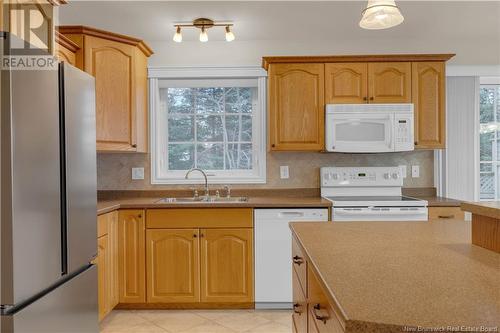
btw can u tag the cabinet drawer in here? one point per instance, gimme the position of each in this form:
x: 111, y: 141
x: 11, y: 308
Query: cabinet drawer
x: 322, y: 313
x: 299, y: 315
x: 102, y: 225
x: 446, y: 213
x: 299, y: 265
x: 199, y: 218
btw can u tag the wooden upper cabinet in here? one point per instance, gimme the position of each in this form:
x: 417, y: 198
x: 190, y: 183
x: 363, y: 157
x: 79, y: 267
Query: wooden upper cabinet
x: 389, y: 82
x: 132, y: 255
x: 66, y: 49
x: 346, y: 83
x: 429, y: 102
x: 119, y: 65
x: 227, y: 265
x: 296, y: 107
x: 173, y: 265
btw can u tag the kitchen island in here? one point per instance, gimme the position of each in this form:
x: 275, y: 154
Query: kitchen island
x: 485, y: 223
x: 393, y: 277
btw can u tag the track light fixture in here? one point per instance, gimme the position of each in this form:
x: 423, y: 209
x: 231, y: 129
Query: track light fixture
x: 203, y: 24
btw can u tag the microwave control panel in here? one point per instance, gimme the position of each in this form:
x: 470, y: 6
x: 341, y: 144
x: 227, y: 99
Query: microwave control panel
x: 403, y: 132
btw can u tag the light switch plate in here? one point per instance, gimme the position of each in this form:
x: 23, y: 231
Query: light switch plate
x: 415, y: 171
x: 403, y: 170
x: 284, y: 172
x: 137, y: 173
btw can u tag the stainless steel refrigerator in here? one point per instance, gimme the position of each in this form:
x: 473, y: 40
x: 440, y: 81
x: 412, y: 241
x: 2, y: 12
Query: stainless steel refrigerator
x: 48, y: 199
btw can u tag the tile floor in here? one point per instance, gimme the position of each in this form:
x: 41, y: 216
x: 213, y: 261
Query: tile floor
x: 198, y: 321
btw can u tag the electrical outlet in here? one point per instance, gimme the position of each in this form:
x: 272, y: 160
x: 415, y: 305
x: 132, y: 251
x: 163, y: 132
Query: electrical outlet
x: 284, y: 172
x: 403, y: 170
x: 137, y: 173
x: 415, y: 171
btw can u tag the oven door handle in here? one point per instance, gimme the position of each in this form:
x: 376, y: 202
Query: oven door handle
x: 342, y: 211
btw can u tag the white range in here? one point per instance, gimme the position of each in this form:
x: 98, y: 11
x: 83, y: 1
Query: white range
x: 369, y: 194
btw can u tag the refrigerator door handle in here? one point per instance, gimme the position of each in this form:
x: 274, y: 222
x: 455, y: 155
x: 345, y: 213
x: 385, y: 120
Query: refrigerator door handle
x: 62, y: 145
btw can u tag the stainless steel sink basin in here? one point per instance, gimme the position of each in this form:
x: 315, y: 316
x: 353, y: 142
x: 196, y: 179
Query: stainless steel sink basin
x: 203, y: 200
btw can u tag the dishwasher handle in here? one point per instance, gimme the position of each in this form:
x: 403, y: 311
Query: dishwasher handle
x: 291, y: 214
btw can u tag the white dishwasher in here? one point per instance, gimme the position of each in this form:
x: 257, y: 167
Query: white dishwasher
x: 273, y: 253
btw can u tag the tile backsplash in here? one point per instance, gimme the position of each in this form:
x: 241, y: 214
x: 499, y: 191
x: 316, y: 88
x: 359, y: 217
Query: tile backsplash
x: 114, y: 171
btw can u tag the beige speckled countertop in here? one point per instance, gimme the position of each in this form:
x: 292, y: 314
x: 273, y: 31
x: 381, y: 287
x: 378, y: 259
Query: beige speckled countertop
x: 485, y: 208
x: 253, y: 202
x: 405, y: 273
x: 105, y: 206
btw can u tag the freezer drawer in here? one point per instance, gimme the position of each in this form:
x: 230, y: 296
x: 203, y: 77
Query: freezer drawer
x: 71, y: 308
x: 273, y: 253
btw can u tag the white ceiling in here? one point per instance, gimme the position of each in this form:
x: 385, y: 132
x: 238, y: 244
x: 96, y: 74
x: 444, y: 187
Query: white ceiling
x: 325, y: 22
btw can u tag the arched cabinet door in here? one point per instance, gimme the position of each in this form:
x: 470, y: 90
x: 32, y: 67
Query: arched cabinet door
x: 172, y: 265
x: 346, y: 83
x: 227, y: 265
x: 112, y: 65
x: 296, y: 107
x: 389, y: 82
x: 429, y: 101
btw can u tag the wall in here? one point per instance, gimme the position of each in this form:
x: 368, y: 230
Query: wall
x: 114, y: 170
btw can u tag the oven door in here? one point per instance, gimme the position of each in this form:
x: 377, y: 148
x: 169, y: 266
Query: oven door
x: 399, y: 214
x: 360, y: 132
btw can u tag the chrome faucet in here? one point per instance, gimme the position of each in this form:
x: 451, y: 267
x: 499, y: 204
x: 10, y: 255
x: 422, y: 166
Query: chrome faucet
x: 207, y: 193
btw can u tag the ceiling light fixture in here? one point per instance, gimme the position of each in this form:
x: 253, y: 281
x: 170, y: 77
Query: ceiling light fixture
x: 203, y: 24
x: 381, y: 14
x: 203, y: 35
x: 229, y: 34
x: 178, y: 35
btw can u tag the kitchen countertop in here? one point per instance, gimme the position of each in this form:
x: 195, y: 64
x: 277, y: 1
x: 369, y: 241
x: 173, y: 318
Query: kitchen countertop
x: 253, y: 202
x: 382, y: 274
x: 484, y: 208
x: 106, y: 206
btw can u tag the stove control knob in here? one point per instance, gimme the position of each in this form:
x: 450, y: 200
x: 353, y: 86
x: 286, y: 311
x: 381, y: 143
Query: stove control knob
x: 386, y: 176
x: 335, y: 176
x: 395, y: 175
x: 328, y: 176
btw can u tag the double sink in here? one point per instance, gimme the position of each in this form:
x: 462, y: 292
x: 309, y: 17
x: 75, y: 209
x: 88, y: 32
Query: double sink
x: 207, y: 198
x: 210, y: 199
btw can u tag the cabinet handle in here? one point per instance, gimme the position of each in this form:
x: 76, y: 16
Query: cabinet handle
x: 372, y: 98
x: 298, y: 260
x: 273, y: 145
x: 365, y: 98
x: 415, y: 143
x: 195, y: 235
x: 296, y: 306
x: 323, y: 317
x: 202, y: 235
x: 446, y: 216
x: 139, y: 215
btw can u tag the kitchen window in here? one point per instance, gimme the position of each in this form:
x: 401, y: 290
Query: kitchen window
x: 489, y: 142
x: 213, y: 124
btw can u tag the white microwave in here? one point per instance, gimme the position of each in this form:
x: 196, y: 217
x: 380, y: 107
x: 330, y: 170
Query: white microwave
x: 369, y: 128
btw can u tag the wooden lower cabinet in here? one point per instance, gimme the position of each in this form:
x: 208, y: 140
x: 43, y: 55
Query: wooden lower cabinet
x: 173, y: 265
x: 102, y: 276
x: 313, y: 310
x: 199, y: 265
x: 441, y: 213
x: 300, y: 312
x: 227, y: 265
x: 107, y: 262
x: 132, y: 255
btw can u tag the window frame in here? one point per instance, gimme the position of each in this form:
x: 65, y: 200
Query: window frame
x: 495, y: 163
x: 258, y: 174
